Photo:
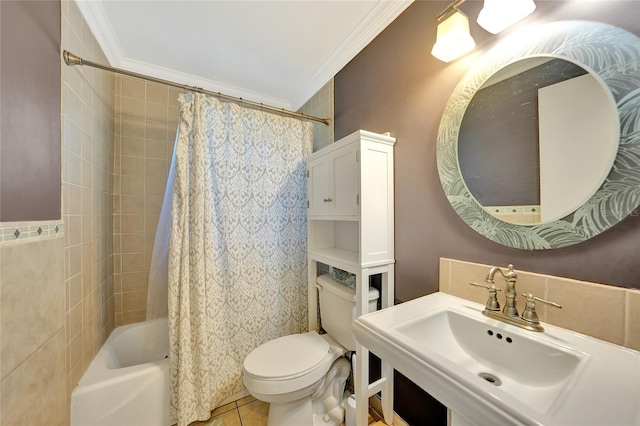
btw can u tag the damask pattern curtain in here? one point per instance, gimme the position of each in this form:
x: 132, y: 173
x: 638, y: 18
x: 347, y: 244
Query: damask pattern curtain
x: 237, y: 253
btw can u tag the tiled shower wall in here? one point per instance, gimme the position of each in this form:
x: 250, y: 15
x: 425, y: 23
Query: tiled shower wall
x: 146, y: 119
x: 321, y: 105
x: 87, y: 105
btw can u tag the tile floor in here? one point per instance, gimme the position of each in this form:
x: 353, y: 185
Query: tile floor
x: 250, y: 412
x: 244, y: 412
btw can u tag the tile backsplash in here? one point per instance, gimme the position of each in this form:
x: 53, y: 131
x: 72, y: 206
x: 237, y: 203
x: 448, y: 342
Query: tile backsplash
x: 602, y: 311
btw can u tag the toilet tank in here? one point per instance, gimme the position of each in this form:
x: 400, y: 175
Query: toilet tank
x: 338, y: 309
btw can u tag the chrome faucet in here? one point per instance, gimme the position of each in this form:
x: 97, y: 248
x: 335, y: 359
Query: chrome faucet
x: 529, y: 319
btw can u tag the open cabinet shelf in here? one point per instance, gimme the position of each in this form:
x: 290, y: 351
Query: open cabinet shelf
x: 350, y: 222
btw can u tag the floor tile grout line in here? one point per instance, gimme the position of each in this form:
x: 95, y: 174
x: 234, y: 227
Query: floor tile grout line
x: 240, y: 417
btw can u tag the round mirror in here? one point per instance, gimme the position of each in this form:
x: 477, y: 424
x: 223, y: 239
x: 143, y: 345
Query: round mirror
x: 573, y: 127
x: 537, y: 140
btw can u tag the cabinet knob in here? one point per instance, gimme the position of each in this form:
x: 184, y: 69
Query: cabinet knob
x: 328, y: 200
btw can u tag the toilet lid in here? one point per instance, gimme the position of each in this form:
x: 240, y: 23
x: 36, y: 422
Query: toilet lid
x: 287, y: 357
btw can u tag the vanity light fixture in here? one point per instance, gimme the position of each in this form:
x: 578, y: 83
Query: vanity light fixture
x: 498, y: 15
x: 453, y: 38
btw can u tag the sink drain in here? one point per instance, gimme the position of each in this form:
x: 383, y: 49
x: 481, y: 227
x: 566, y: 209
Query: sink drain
x: 490, y: 378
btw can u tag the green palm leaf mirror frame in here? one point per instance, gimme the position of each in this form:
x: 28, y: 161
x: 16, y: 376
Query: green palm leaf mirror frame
x: 612, y: 56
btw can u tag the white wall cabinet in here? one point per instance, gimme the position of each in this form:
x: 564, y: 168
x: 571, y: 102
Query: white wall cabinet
x: 351, y: 221
x: 334, y: 183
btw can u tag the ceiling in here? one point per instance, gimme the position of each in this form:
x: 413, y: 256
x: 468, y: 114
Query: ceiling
x: 271, y: 51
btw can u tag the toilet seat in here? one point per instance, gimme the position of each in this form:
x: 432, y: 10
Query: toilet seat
x: 290, y: 363
x: 287, y: 357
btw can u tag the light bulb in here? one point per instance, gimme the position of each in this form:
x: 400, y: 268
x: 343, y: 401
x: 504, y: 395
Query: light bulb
x: 498, y: 15
x: 453, y: 38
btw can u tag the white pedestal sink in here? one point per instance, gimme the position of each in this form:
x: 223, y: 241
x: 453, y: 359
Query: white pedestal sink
x: 492, y: 373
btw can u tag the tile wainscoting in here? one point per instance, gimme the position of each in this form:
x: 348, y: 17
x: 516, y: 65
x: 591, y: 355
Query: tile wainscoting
x: 33, y: 370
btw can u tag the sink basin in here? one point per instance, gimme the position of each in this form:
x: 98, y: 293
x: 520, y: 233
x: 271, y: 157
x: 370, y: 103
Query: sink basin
x: 489, y: 372
x: 533, y: 371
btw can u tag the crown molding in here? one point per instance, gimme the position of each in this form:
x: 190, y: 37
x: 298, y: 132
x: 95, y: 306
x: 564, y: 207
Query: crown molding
x: 96, y: 17
x: 380, y: 16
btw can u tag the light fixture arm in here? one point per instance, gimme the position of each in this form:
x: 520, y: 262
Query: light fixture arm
x: 452, y: 7
x: 453, y: 38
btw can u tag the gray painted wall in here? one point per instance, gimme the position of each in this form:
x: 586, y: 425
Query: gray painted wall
x: 30, y: 111
x: 395, y: 85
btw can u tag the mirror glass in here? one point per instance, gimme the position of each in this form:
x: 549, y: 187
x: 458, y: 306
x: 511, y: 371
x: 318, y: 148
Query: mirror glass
x: 537, y: 140
x: 581, y: 166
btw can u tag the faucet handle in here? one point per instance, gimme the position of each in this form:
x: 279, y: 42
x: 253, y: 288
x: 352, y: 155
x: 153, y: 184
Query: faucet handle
x: 531, y: 298
x: 492, y: 302
x: 529, y: 314
x: 491, y: 287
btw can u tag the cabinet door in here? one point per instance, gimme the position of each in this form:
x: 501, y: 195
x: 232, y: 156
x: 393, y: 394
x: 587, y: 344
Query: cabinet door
x: 319, y: 187
x: 346, y: 181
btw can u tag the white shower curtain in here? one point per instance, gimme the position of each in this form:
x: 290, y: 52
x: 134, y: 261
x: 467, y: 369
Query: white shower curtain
x: 237, y: 252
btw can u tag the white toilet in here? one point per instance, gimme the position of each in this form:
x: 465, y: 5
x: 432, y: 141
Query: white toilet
x: 303, y: 376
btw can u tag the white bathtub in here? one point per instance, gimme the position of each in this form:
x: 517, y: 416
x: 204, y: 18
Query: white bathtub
x: 127, y: 384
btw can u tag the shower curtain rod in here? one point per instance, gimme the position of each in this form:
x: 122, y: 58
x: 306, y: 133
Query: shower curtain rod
x: 70, y: 59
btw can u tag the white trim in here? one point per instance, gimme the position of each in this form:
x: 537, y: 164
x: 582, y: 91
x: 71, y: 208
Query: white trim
x: 96, y: 17
x: 380, y: 16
